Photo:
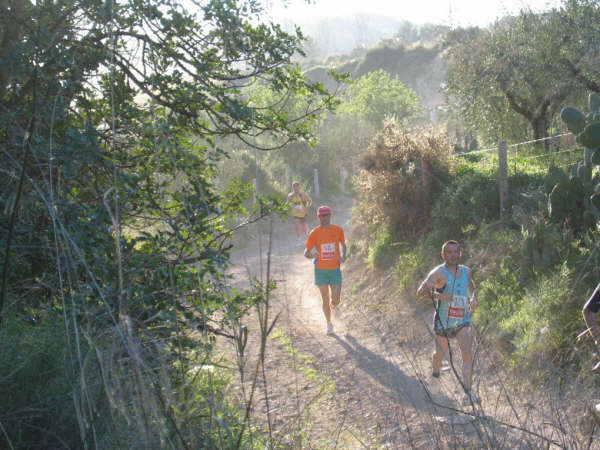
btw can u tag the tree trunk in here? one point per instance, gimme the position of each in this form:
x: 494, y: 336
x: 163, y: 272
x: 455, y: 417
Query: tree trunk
x: 540, y: 131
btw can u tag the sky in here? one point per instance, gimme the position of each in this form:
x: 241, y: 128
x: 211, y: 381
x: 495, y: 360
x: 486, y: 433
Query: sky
x: 442, y: 12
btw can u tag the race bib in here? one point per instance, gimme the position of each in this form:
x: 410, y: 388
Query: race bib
x: 298, y: 207
x: 457, y: 307
x: 327, y: 252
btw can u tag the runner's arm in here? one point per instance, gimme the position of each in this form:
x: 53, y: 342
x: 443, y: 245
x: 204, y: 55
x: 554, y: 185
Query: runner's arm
x: 435, y: 280
x: 308, y: 253
x: 310, y: 244
x: 308, y: 201
x: 343, y: 252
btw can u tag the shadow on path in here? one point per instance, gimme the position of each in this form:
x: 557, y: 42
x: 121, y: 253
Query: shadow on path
x: 401, y: 386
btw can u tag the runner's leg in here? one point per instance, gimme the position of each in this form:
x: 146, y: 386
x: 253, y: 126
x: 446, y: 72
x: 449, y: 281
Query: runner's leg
x: 299, y: 227
x: 336, y: 293
x: 324, y: 288
x: 465, y: 342
x: 441, y: 347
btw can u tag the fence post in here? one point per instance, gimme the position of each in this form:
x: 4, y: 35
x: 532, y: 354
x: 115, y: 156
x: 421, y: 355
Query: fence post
x: 317, y: 190
x: 503, y: 178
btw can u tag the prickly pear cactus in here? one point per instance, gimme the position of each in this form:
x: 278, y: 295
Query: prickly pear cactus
x: 585, y: 127
x: 577, y: 200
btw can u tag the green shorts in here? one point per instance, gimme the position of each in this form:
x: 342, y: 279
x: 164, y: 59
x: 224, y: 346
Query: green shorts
x: 331, y: 276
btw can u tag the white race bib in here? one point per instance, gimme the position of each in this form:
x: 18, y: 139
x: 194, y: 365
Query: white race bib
x: 458, y: 307
x: 327, y: 251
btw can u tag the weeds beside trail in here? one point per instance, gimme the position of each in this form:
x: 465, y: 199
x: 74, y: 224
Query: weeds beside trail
x: 377, y: 364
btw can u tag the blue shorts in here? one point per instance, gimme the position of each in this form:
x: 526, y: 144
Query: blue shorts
x: 331, y: 276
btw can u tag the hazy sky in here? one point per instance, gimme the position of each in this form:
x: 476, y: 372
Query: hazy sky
x: 444, y: 12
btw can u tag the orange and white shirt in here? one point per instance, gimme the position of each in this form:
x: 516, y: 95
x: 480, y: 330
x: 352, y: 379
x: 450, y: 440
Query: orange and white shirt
x: 327, y: 240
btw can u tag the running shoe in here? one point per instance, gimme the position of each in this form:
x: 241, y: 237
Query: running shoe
x: 434, y: 386
x: 329, y: 329
x: 470, y: 397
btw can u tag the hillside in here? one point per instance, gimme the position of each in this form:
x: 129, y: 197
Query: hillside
x: 419, y: 67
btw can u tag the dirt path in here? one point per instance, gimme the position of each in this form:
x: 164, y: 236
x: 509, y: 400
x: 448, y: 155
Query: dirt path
x: 364, y: 386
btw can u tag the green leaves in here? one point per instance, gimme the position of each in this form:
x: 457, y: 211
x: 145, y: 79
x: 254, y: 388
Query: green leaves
x: 377, y: 95
x: 128, y: 102
x: 511, y: 79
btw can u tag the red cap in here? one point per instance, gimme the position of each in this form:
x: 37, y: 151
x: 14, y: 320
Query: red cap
x: 323, y: 210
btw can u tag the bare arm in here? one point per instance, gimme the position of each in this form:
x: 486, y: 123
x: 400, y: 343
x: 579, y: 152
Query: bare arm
x: 308, y: 253
x: 307, y: 201
x: 435, y: 280
x: 343, y: 252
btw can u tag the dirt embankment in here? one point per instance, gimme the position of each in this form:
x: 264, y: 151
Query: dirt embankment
x: 365, y: 386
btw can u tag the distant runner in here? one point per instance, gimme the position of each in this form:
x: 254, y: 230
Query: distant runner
x: 300, y: 202
x: 327, y: 245
x: 449, y: 285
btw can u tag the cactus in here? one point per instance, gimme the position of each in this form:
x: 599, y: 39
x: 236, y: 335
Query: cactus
x: 577, y: 202
x: 596, y: 157
x: 570, y: 198
x: 555, y: 176
x: 592, y: 134
x: 574, y: 119
x: 594, y: 102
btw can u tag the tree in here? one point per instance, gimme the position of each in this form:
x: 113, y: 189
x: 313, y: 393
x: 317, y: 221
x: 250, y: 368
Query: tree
x: 516, y: 72
x: 377, y: 95
x: 110, y: 222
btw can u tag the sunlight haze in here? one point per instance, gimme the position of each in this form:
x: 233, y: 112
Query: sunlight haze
x: 443, y: 12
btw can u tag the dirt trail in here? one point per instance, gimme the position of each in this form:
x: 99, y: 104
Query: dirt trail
x: 364, y: 386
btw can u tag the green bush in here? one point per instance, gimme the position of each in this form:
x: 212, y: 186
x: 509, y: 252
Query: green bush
x: 469, y: 199
x: 472, y: 198
x: 383, y: 252
x: 546, y: 320
x: 413, y: 264
x: 37, y: 408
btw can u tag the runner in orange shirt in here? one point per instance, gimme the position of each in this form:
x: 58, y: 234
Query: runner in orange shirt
x: 326, y: 244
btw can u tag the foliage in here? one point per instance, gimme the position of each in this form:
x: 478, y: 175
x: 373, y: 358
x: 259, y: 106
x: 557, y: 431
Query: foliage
x: 546, y: 319
x: 400, y: 174
x: 109, y: 216
x: 381, y: 254
x: 412, y: 265
x: 377, y: 95
x: 409, y: 33
x: 526, y: 65
x: 36, y: 353
x: 576, y: 200
x: 470, y: 199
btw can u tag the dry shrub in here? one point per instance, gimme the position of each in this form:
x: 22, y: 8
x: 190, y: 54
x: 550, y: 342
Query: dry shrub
x: 400, y: 174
